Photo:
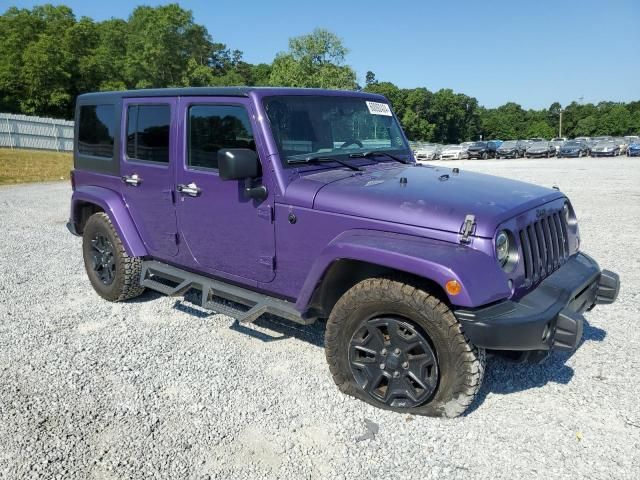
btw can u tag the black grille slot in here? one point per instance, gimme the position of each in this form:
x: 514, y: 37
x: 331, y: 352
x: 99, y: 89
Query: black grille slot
x: 545, y: 247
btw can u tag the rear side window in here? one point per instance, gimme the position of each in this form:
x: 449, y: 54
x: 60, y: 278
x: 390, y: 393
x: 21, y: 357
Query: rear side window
x: 96, y: 129
x: 212, y: 127
x: 148, y: 132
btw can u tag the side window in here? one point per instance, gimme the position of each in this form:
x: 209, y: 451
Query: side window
x: 212, y: 127
x: 96, y: 129
x: 148, y: 132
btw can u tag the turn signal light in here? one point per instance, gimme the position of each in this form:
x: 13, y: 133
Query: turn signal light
x: 453, y: 287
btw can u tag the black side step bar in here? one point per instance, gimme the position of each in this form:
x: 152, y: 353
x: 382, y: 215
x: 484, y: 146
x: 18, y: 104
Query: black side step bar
x: 175, y: 282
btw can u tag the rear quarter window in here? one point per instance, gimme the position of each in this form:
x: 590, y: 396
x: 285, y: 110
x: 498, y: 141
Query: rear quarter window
x: 96, y: 130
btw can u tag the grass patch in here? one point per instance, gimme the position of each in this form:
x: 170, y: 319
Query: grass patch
x: 23, y: 166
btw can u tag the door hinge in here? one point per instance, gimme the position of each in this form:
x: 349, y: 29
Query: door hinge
x: 266, y: 212
x: 468, y: 228
x: 268, y: 261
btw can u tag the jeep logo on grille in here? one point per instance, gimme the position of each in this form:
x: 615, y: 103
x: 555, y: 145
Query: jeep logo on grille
x: 541, y: 212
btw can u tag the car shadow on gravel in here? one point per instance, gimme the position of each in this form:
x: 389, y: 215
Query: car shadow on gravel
x: 503, y: 376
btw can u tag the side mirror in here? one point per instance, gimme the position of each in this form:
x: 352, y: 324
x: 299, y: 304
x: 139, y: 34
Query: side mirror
x: 238, y: 164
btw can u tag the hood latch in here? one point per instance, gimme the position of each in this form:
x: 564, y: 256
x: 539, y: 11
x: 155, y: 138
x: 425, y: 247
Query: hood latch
x: 467, y: 229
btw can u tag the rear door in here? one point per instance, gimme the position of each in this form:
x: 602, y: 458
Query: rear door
x: 148, y: 171
x: 224, y: 231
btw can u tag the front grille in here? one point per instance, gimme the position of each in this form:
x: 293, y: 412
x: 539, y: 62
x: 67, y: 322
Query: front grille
x: 545, y: 246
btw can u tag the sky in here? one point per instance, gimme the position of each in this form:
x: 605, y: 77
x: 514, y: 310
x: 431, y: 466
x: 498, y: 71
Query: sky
x: 532, y: 52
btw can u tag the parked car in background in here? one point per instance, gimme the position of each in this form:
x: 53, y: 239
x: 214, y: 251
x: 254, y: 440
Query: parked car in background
x: 537, y: 139
x: 634, y: 149
x: 632, y: 139
x: 583, y: 139
x: 558, y: 142
x: 454, y: 152
x: 541, y: 149
x: 482, y: 150
x: 622, y: 143
x: 495, y: 144
x: 511, y: 149
x: 428, y: 151
x: 592, y: 143
x: 573, y: 148
x: 606, y: 148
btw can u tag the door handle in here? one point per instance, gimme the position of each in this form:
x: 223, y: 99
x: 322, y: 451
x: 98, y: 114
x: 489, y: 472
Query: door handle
x: 192, y: 189
x: 133, y: 180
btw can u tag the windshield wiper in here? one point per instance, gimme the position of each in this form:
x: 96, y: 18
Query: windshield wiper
x: 323, y: 160
x: 373, y: 153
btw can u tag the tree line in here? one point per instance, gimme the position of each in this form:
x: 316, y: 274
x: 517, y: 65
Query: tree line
x: 49, y: 57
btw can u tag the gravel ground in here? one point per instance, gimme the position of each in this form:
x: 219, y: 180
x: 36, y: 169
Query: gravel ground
x: 157, y: 388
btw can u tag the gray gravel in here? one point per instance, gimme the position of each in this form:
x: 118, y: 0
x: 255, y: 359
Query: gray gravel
x: 158, y: 388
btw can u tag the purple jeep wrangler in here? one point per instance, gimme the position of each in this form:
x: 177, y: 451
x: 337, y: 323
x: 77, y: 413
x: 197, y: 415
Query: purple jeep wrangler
x: 308, y: 204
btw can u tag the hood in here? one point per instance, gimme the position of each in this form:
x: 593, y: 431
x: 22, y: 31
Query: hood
x: 432, y: 197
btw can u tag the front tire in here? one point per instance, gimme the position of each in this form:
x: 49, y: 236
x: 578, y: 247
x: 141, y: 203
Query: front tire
x: 114, y: 275
x: 399, y: 348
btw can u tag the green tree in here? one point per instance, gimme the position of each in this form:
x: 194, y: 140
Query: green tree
x: 540, y: 128
x: 454, y: 115
x: 160, y: 45
x: 314, y: 60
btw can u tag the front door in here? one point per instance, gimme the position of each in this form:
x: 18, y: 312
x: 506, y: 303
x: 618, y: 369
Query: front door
x: 148, y: 171
x: 224, y: 231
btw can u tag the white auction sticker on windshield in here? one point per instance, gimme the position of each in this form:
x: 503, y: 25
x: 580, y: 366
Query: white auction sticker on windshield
x: 377, y: 108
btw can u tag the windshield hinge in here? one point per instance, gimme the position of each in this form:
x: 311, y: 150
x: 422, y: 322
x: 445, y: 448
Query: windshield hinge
x: 468, y: 228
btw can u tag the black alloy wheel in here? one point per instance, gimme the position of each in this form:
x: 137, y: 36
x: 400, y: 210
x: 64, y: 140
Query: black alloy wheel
x: 393, y: 362
x: 103, y: 258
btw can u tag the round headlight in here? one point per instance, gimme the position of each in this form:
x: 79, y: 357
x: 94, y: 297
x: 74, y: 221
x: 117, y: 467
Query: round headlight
x: 502, y: 248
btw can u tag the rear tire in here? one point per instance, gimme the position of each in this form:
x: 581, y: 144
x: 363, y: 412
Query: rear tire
x: 485, y: 156
x: 365, y: 331
x: 114, y: 275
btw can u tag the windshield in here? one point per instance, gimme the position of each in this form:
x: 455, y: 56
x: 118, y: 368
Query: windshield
x: 573, y: 144
x: 479, y: 144
x: 510, y: 144
x: 330, y: 126
x: 453, y: 147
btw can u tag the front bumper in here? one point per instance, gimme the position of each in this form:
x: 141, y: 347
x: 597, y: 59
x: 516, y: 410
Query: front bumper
x: 603, y: 154
x: 547, y: 318
x: 537, y: 154
x: 569, y: 154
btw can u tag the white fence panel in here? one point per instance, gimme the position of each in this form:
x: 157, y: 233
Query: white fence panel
x: 22, y: 131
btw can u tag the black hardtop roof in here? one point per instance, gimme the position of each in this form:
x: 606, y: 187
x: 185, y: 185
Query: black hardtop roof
x: 169, y: 92
x: 213, y: 92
